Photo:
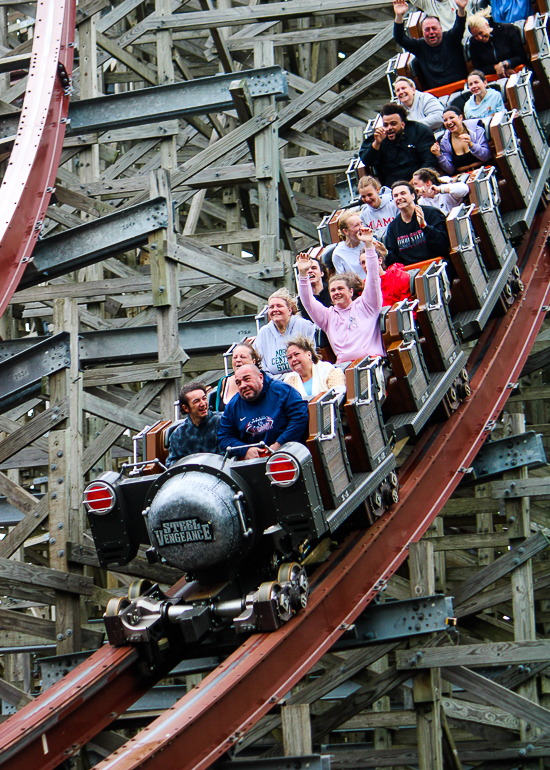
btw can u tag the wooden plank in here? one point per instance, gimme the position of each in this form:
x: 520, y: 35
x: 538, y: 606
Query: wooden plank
x: 13, y: 695
x: 474, y: 712
x: 207, y: 260
x: 24, y: 623
x: 17, y: 572
x: 144, y: 71
x: 82, y: 202
x: 110, y: 375
x: 513, y: 488
x: 458, y: 542
x: 497, y: 695
x: 33, y: 429
x: 111, y: 433
x: 504, y: 653
x: 309, y: 35
x: 224, y: 237
x: 100, y: 407
x: 83, y: 554
x: 502, y: 566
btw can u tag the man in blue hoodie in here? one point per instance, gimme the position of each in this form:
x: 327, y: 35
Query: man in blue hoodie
x: 263, y: 410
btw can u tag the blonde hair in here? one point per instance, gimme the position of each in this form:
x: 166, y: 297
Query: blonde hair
x: 476, y: 20
x: 287, y: 298
x: 368, y: 181
x: 408, y: 81
x: 342, y: 222
x: 304, y: 343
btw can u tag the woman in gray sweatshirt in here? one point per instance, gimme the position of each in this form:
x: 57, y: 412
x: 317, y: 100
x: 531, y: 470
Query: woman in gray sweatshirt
x: 284, y: 324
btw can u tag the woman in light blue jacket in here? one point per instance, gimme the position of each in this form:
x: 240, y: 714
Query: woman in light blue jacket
x: 484, y: 101
x: 463, y: 146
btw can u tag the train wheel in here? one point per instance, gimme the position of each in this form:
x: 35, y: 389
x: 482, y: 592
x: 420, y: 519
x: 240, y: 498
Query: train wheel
x: 463, y: 385
x: 116, y: 606
x: 296, y: 575
x: 376, y: 500
x: 137, y: 588
x: 279, y: 594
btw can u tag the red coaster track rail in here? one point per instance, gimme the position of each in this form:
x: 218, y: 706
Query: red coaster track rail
x: 30, y: 177
x: 211, y: 718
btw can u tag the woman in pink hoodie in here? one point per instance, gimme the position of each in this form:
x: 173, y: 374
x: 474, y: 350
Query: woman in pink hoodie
x: 350, y: 324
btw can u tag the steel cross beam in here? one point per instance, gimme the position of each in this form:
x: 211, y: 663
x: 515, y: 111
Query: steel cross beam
x: 94, y: 241
x: 211, y: 719
x: 140, y: 343
x: 149, y: 105
x: 28, y: 183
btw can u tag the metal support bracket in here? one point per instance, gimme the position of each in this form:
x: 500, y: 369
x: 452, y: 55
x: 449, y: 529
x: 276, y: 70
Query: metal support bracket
x: 399, y: 619
x: 525, y: 450
x: 20, y: 373
x: 149, y: 105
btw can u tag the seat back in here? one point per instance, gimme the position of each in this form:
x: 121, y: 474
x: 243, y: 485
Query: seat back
x: 440, y: 346
x: 327, y: 447
x: 509, y: 157
x: 536, y: 37
x: 465, y: 256
x: 155, y: 447
x: 485, y: 217
x: 365, y: 392
x: 526, y: 123
x: 410, y: 386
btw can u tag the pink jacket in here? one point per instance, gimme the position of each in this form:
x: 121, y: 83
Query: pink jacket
x: 353, y: 332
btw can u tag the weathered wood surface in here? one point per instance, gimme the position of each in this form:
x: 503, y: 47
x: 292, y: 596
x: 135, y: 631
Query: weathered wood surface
x: 475, y: 655
x: 24, y: 623
x: 157, y: 573
x: 18, y: 573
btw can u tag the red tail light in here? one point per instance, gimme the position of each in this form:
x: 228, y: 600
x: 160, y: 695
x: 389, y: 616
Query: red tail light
x: 99, y: 497
x: 282, y: 470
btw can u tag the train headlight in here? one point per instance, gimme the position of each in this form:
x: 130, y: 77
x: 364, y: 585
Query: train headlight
x: 282, y: 469
x: 99, y: 497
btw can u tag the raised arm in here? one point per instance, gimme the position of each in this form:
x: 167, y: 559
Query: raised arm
x: 400, y: 36
x: 372, y: 294
x: 318, y: 313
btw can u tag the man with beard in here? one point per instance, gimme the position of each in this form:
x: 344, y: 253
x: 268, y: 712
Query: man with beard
x: 418, y: 232
x: 438, y: 53
x: 265, y: 410
x: 400, y: 146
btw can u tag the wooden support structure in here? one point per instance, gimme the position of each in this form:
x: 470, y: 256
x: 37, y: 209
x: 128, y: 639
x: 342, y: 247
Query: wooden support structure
x: 245, y: 187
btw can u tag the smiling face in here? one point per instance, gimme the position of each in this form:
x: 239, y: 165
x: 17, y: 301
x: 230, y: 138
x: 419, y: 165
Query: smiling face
x: 249, y: 382
x: 403, y: 197
x: 482, y: 31
x: 394, y: 126
x: 241, y: 356
x: 300, y: 361
x: 340, y: 293
x: 278, y: 312
x: 404, y: 92
x: 477, y: 86
x: 422, y: 188
x: 196, y: 405
x: 370, y: 195
x: 352, y: 226
x: 453, y: 122
x: 432, y: 31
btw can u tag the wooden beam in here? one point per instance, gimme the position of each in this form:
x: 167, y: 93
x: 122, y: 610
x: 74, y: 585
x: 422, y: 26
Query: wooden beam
x: 157, y: 573
x: 502, y: 654
x: 10, y: 620
x: 497, y: 695
x: 110, y: 375
x: 17, y: 572
x: 33, y: 429
x: 100, y: 407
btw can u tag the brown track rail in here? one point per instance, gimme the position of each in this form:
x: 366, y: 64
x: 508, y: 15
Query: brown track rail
x: 29, y: 179
x: 211, y: 718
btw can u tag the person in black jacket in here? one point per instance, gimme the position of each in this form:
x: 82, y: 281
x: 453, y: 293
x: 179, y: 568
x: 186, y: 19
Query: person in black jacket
x: 419, y: 233
x: 439, y: 53
x: 496, y: 49
x: 399, y: 146
x: 318, y: 277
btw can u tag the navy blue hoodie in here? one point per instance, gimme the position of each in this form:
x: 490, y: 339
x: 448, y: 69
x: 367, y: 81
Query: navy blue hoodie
x: 278, y: 414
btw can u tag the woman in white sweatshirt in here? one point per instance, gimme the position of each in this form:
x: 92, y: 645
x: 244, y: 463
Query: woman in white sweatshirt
x: 311, y: 376
x: 438, y: 191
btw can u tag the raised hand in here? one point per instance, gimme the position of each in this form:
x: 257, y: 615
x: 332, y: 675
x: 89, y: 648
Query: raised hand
x: 420, y: 217
x: 400, y: 8
x: 379, y: 136
x: 366, y: 236
x: 303, y: 263
x: 435, y: 149
x: 466, y: 138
